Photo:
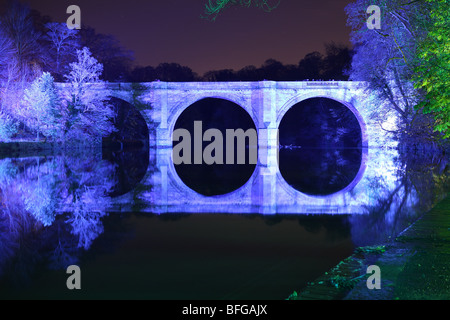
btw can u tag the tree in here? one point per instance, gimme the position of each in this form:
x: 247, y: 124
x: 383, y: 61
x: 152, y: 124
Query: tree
x: 220, y: 75
x: 41, y: 110
x: 116, y: 60
x: 18, y: 25
x: 63, y: 41
x: 432, y: 73
x: 8, y: 126
x: 143, y: 74
x: 336, y: 62
x: 249, y: 73
x: 212, y: 10
x: 6, y: 57
x: 310, y: 67
x: 90, y: 113
x: 174, y: 72
x: 6, y: 51
x: 385, y: 58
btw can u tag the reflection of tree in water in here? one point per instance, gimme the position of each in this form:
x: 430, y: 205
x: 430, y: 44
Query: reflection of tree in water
x: 421, y: 182
x: 320, y: 123
x: 86, y: 199
x: 50, y: 209
x: 320, y: 171
x: 128, y: 147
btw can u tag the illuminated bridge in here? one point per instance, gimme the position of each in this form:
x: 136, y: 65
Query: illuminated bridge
x: 267, y: 102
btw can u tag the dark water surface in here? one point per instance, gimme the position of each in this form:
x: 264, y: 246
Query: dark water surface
x: 55, y: 212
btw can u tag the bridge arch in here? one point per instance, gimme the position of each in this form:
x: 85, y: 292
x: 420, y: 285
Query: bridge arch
x: 337, y: 96
x: 224, y: 113
x: 177, y: 109
x: 179, y: 184
x: 134, y: 94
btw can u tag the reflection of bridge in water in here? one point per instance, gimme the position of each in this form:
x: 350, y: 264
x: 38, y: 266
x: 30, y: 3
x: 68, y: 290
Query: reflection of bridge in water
x: 266, y: 191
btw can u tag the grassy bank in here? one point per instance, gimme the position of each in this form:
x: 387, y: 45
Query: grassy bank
x: 416, y: 265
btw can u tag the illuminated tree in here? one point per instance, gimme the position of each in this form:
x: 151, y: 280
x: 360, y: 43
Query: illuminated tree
x: 212, y: 9
x: 90, y: 113
x: 8, y: 127
x: 385, y: 58
x: 18, y: 25
x: 63, y: 41
x: 41, y: 110
x: 6, y: 53
x: 432, y: 74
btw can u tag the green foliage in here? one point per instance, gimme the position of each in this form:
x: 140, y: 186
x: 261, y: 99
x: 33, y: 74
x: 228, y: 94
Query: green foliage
x: 432, y: 74
x: 341, y: 282
x: 371, y: 249
x: 384, y: 58
x: 213, y: 8
x: 407, y: 62
x: 293, y: 296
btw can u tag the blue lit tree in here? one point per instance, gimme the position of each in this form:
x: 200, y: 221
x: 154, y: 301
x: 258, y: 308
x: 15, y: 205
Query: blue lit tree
x: 385, y: 58
x: 8, y: 127
x: 63, y: 41
x: 89, y: 112
x: 6, y: 54
x: 18, y: 25
x: 41, y: 107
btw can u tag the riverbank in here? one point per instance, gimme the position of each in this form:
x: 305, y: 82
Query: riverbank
x: 414, y: 266
x: 19, y: 149
x: 22, y: 149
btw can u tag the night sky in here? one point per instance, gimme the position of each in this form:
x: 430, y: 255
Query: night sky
x: 172, y: 30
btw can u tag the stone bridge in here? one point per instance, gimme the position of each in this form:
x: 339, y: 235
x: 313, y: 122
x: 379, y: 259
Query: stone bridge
x: 161, y: 103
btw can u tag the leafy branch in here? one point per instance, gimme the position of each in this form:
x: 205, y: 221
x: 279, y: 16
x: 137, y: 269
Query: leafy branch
x: 213, y: 8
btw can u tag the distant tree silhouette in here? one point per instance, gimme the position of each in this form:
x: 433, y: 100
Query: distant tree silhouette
x: 249, y: 73
x: 116, y: 60
x: 311, y: 65
x: 174, y: 72
x: 171, y: 72
x: 336, y: 62
x: 143, y: 74
x: 220, y: 75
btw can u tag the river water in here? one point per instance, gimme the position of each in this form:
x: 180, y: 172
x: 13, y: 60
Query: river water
x: 56, y: 211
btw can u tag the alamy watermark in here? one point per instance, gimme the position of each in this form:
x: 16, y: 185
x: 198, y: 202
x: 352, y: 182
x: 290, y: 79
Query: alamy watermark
x: 374, y: 280
x: 74, y: 280
x: 74, y: 21
x: 374, y: 21
x: 213, y: 152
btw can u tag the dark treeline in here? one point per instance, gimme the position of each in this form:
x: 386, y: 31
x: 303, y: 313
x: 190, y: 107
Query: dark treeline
x: 332, y: 65
x: 119, y: 64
